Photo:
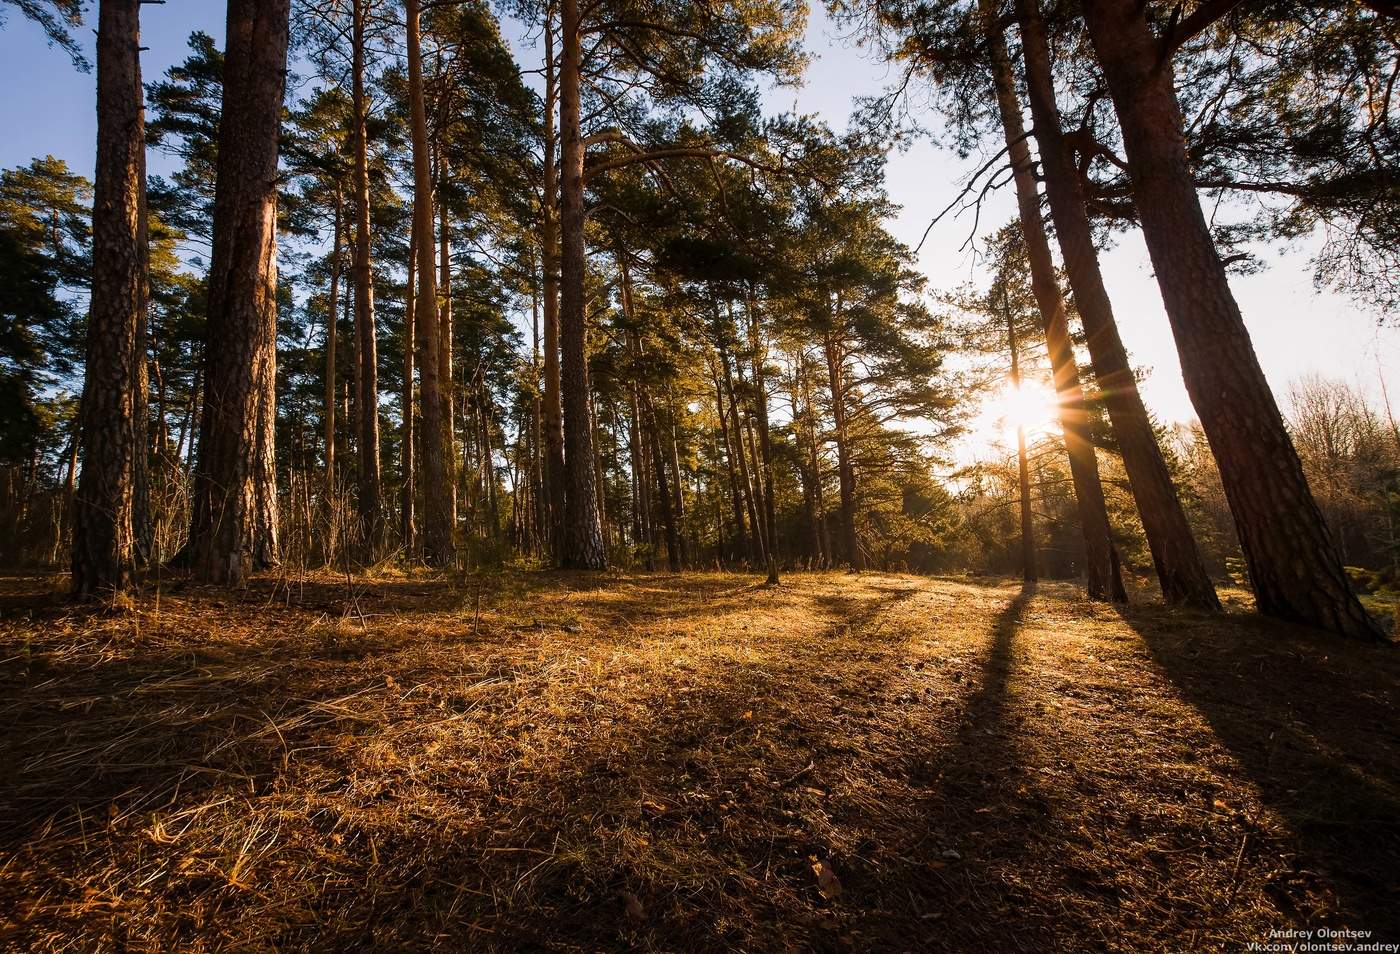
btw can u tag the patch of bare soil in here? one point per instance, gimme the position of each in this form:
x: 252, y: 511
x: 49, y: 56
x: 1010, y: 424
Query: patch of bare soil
x: 543, y: 761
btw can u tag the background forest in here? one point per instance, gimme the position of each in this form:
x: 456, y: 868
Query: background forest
x: 767, y: 379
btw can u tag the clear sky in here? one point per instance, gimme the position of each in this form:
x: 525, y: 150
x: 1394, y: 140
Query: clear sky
x: 49, y: 108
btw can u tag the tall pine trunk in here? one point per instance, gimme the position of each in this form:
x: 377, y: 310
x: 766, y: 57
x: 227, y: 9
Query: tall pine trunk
x: 234, y: 494
x: 1293, y: 565
x: 408, y: 453
x: 554, y: 477
x: 1102, y: 579
x: 583, y: 531
x: 436, y: 458
x: 760, y: 386
x: 447, y: 387
x: 102, y: 511
x: 332, y: 316
x: 370, y: 504
x: 835, y: 372
x: 1181, y: 571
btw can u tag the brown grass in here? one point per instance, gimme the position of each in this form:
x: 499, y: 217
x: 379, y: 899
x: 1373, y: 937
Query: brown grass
x: 545, y: 761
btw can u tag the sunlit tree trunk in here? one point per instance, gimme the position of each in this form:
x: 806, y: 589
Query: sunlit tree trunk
x: 835, y: 370
x: 1103, y: 581
x: 554, y: 475
x: 435, y: 464
x: 142, y: 525
x: 761, y: 398
x: 371, y: 507
x: 332, y: 308
x: 102, y: 528
x: 1293, y: 566
x: 583, y: 530
x: 1180, y: 568
x: 234, y: 494
x: 447, y: 386
x: 408, y: 458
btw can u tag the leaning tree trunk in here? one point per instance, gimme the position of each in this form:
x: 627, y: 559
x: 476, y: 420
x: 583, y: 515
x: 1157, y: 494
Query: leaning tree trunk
x: 1102, y: 579
x: 233, y: 499
x: 436, y: 458
x: 583, y: 530
x: 367, y: 364
x: 1180, y: 569
x: 1293, y: 566
x: 102, y: 507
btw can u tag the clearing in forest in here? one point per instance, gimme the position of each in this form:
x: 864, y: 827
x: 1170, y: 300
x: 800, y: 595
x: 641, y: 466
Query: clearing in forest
x: 699, y: 762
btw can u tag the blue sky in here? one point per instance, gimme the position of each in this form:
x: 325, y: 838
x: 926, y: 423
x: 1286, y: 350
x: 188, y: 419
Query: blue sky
x: 49, y: 108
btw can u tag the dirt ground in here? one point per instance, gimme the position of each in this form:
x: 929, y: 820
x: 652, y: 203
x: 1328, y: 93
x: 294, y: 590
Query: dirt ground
x: 552, y: 762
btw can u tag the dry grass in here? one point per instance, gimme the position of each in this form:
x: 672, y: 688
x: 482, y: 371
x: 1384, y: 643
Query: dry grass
x: 545, y: 761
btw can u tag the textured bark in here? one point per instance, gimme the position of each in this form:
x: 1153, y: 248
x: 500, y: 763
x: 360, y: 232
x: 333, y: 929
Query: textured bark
x: 142, y: 525
x: 234, y: 487
x: 1102, y: 579
x: 332, y: 305
x: 102, y: 528
x: 1181, y: 571
x: 370, y: 504
x: 1293, y: 566
x: 835, y: 372
x: 554, y: 478
x: 436, y: 462
x: 408, y: 454
x: 447, y: 386
x: 583, y: 531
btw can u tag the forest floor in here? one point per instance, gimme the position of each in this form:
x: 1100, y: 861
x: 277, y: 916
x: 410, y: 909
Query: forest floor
x: 553, y: 762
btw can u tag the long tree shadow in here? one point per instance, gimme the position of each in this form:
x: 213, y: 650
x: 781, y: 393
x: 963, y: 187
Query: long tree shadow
x: 1312, y: 720
x: 965, y: 857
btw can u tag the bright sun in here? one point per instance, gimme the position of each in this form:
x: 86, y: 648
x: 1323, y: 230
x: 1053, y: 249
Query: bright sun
x: 1032, y: 406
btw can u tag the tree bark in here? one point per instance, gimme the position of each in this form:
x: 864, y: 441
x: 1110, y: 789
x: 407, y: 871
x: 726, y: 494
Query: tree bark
x: 332, y: 307
x: 850, y: 542
x: 1102, y: 580
x: 370, y: 504
x: 103, y: 547
x: 761, y: 398
x: 1181, y: 571
x: 235, y: 502
x: 554, y: 475
x: 436, y: 461
x: 447, y: 387
x: 583, y: 531
x: 408, y: 457
x: 1293, y: 566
